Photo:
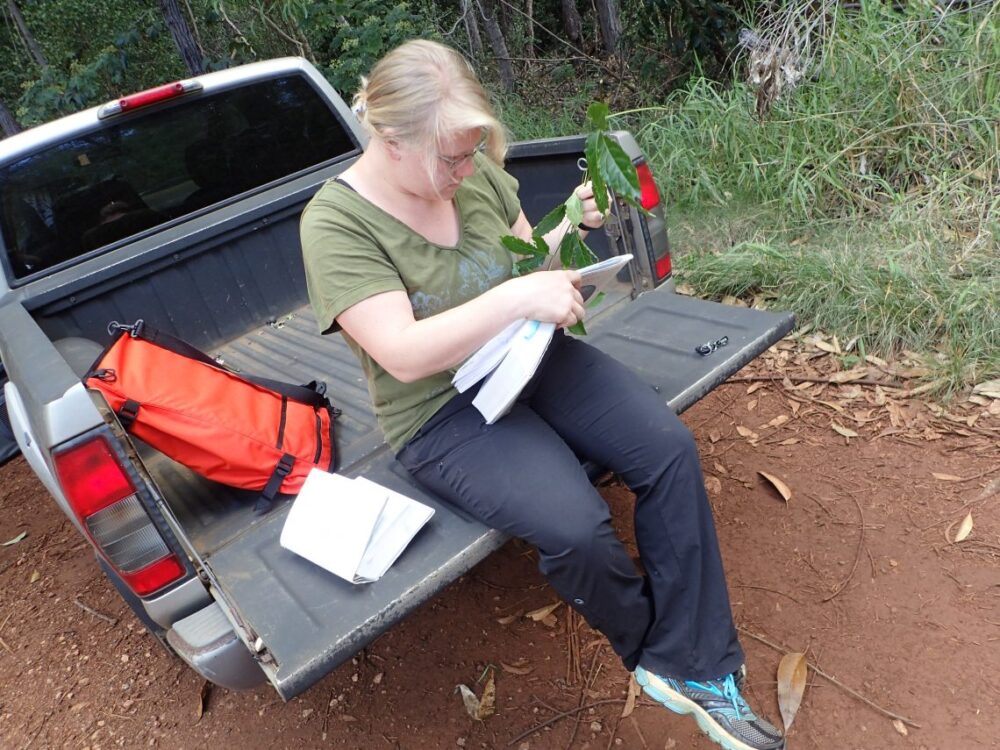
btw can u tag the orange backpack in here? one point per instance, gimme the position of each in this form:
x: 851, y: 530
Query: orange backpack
x: 245, y: 432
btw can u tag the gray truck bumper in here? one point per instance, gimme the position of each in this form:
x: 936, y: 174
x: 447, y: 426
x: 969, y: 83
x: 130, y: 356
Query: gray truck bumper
x: 206, y: 641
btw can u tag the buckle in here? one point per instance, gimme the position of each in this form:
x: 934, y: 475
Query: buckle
x: 710, y: 346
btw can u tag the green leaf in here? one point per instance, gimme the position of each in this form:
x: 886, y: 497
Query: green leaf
x: 597, y: 116
x: 596, y: 299
x: 573, y: 252
x: 618, y: 170
x: 592, y: 152
x: 527, y: 265
x: 578, y: 328
x: 518, y: 246
x: 551, y: 220
x: 574, y: 209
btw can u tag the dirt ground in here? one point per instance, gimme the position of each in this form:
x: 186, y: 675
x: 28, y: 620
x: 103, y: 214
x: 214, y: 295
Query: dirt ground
x: 859, y: 569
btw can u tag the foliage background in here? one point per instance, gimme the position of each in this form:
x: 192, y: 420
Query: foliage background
x: 867, y: 199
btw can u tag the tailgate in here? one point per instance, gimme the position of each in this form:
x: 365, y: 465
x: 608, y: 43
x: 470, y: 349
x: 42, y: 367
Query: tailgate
x: 307, y: 621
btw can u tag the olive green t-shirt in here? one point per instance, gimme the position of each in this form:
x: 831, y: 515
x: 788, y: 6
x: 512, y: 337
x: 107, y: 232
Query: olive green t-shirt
x: 353, y: 250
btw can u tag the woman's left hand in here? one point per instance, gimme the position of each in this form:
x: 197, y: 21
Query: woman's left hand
x: 592, y: 216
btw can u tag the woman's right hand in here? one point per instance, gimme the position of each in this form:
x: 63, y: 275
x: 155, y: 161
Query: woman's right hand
x: 549, y: 296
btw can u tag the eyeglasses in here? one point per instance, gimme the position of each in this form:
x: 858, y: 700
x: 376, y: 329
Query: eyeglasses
x: 454, y: 163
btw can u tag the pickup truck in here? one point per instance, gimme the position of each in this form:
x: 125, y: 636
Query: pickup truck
x: 180, y: 206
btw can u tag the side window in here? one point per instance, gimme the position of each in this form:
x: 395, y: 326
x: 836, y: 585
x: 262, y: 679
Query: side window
x: 139, y: 172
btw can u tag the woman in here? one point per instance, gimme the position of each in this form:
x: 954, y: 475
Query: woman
x: 403, y: 254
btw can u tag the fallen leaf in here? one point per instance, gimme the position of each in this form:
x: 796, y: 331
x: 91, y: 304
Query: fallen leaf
x: 15, y: 540
x: 480, y: 708
x: 751, y: 404
x: 542, y: 612
x: 715, y: 436
x: 789, y: 441
x: 510, y: 618
x: 747, y: 432
x: 847, y: 376
x: 713, y: 485
x: 794, y: 406
x: 990, y: 388
x: 755, y: 387
x: 776, y: 422
x: 203, y: 695
x: 946, y: 477
x: 686, y: 289
x: 899, y: 727
x: 720, y: 468
x: 633, y: 692
x: 835, y: 407
x: 964, y: 529
x: 35, y: 575
x: 877, y: 361
x: 519, y: 668
x: 779, y: 485
x: 734, y: 301
x: 549, y: 621
x: 791, y: 685
x: 823, y: 346
x: 840, y: 429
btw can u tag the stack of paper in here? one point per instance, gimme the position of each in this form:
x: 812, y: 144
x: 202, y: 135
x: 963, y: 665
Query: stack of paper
x: 353, y: 528
x: 505, y: 383
x: 509, y: 359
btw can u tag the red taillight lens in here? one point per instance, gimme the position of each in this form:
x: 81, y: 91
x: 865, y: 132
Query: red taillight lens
x: 105, y: 500
x: 663, y: 266
x: 151, y: 96
x: 650, y: 195
x: 147, y: 97
x: 154, y: 577
x: 91, y: 477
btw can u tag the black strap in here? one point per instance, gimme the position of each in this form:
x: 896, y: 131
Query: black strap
x: 312, y: 393
x: 281, y: 423
x: 266, y: 500
x: 127, y: 413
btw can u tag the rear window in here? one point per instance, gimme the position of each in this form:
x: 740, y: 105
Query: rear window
x: 137, y: 173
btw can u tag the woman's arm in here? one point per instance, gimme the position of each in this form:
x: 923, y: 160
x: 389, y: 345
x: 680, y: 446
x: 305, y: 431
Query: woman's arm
x: 409, y: 349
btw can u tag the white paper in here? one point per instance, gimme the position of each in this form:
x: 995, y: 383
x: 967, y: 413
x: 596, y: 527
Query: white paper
x: 596, y: 277
x: 400, y: 521
x: 332, y: 521
x: 485, y: 360
x: 354, y: 528
x: 501, y: 389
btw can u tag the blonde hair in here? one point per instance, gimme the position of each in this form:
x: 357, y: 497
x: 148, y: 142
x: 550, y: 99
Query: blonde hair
x: 422, y: 92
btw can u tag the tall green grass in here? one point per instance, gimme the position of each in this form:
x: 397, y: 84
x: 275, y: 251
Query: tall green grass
x: 868, y: 200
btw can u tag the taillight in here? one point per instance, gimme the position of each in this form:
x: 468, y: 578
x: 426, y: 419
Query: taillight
x: 147, y: 97
x: 663, y: 266
x: 650, y: 194
x: 105, y: 500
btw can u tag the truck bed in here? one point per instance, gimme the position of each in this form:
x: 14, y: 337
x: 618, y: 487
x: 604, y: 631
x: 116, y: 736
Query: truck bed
x: 309, y: 621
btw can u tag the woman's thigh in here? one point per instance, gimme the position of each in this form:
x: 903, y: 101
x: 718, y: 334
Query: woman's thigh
x: 606, y: 413
x: 516, y: 475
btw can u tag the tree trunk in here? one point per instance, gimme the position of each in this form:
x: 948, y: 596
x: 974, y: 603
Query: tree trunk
x: 188, y: 48
x: 8, y: 123
x: 472, y: 28
x: 611, y: 24
x: 572, y: 23
x: 26, y: 35
x: 529, y: 9
x: 498, y: 45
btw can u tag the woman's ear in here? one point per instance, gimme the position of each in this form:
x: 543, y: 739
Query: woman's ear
x: 392, y: 148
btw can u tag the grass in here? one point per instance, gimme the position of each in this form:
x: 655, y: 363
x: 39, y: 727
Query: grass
x: 869, y: 199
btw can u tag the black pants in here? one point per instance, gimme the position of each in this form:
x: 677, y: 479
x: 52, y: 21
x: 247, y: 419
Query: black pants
x: 522, y: 475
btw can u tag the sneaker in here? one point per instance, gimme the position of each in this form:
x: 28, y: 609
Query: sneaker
x: 717, y: 706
